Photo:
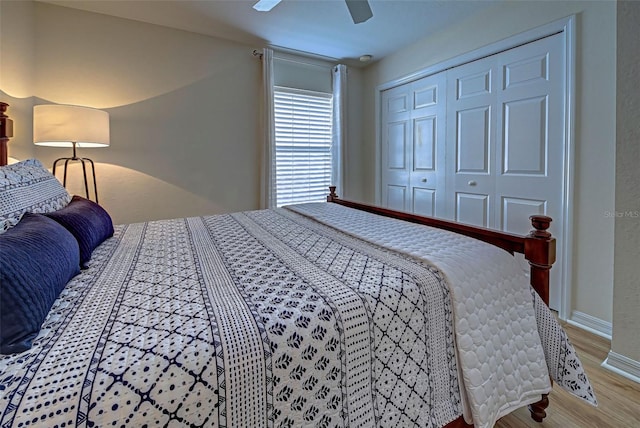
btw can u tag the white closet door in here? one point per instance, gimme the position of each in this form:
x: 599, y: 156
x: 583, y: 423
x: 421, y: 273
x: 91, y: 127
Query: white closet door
x: 396, y: 135
x: 427, y: 176
x: 471, y: 134
x: 505, y: 141
x: 413, y: 156
x: 531, y: 144
x: 482, y: 143
x: 530, y: 148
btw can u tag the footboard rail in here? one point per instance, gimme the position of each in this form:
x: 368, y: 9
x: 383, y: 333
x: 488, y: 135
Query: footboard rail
x: 538, y: 247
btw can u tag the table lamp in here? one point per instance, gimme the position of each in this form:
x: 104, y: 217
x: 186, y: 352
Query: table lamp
x: 58, y: 125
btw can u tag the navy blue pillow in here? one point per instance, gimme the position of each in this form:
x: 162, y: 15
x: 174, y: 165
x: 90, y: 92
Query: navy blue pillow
x: 38, y: 258
x: 87, y: 221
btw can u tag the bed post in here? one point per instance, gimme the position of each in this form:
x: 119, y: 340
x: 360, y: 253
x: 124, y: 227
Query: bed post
x: 6, y: 132
x: 540, y: 251
x: 332, y: 194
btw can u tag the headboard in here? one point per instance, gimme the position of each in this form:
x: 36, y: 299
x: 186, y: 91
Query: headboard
x: 6, y: 132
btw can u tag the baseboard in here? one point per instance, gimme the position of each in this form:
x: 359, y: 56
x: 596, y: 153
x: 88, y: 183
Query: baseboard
x: 617, y: 363
x: 622, y: 365
x: 591, y: 324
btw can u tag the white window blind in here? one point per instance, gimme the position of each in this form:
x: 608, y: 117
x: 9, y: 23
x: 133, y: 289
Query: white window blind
x: 303, y: 121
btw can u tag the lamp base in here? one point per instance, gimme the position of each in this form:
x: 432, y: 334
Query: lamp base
x: 84, y: 162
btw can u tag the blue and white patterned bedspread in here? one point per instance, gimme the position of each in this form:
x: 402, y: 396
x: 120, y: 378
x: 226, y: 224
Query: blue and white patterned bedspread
x: 255, y: 319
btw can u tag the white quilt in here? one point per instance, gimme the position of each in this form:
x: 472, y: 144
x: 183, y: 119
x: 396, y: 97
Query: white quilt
x: 498, y: 344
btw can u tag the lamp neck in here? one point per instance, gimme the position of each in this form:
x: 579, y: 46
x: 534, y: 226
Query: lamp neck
x: 75, y: 157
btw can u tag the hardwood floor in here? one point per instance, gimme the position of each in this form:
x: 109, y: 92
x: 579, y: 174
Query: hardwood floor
x: 618, y: 397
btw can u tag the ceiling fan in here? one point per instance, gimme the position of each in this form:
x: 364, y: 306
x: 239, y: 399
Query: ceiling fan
x: 359, y: 9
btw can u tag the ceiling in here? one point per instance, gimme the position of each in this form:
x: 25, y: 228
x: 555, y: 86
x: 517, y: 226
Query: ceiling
x: 321, y: 27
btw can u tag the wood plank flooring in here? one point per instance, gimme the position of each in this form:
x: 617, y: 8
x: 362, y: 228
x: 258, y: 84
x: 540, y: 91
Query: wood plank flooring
x: 618, y: 397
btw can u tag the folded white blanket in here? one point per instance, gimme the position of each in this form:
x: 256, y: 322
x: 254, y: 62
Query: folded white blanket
x: 500, y: 354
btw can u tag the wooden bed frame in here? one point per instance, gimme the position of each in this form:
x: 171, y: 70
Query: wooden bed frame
x: 539, y: 247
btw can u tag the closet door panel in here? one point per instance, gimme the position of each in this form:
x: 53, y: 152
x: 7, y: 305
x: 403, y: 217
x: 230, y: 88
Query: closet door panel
x: 396, y: 140
x: 424, y: 144
x: 473, y: 208
x: 425, y: 93
x: 396, y: 155
x: 424, y: 201
x: 427, y: 179
x: 516, y: 212
x: 470, y: 142
x: 470, y: 84
x: 525, y: 142
x: 396, y: 197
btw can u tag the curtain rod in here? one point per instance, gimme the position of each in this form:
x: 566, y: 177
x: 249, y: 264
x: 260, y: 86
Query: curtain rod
x: 299, y: 57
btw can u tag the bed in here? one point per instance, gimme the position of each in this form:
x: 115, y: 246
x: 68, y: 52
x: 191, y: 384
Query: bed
x: 325, y: 314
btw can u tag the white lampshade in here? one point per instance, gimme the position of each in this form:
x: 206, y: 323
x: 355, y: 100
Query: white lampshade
x: 62, y: 125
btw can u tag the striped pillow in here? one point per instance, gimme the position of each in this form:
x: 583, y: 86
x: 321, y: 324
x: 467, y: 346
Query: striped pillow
x: 39, y: 257
x: 88, y: 222
x: 28, y: 186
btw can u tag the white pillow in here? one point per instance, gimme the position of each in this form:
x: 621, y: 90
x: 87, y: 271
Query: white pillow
x: 28, y: 186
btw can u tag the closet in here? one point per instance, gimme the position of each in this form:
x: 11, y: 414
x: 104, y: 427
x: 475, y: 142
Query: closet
x: 482, y: 142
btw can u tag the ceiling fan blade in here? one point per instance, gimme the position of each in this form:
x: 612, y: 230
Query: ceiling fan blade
x: 360, y: 10
x: 265, y: 5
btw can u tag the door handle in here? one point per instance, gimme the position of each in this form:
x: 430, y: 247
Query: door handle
x: 424, y: 180
x: 472, y: 183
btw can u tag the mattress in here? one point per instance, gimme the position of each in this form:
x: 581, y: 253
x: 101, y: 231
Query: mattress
x: 275, y: 318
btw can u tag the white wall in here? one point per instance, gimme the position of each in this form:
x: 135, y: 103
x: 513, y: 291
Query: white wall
x: 626, y: 294
x: 17, y: 65
x: 184, y: 108
x: 595, y: 122
x: 302, y: 73
x: 183, y: 111
x: 179, y: 106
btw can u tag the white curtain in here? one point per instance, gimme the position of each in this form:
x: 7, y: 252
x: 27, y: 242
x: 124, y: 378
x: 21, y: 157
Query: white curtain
x: 338, y: 148
x: 268, y: 196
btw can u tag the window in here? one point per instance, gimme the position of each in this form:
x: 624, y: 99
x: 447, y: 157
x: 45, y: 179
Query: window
x: 303, y: 137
